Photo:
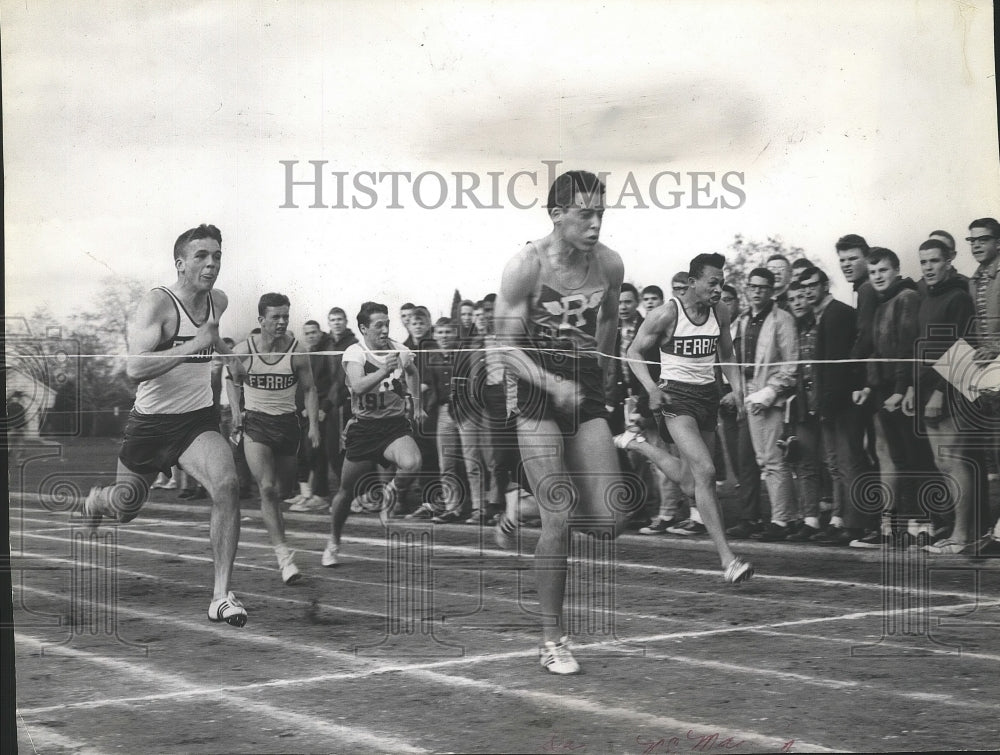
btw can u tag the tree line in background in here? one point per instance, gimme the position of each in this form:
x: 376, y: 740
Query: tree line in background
x: 91, y: 384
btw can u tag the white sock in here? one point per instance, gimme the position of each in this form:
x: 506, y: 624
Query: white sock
x: 812, y: 521
x: 779, y: 522
x: 305, y: 489
x: 695, y: 515
x: 837, y: 521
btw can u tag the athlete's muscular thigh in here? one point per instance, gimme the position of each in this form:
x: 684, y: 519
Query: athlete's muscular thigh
x: 210, y: 459
x: 544, y: 460
x: 594, y: 468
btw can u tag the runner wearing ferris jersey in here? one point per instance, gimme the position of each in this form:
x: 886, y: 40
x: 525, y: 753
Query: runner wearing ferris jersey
x: 270, y: 423
x: 690, y: 330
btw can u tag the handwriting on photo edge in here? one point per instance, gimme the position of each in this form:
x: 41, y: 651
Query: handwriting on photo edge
x: 694, y: 741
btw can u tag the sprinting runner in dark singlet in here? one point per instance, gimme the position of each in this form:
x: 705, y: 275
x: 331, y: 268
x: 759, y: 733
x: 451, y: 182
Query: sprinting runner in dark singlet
x: 557, y: 313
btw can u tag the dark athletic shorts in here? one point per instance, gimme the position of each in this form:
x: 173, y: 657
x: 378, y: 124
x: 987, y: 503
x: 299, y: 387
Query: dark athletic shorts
x: 367, y: 439
x: 535, y: 403
x: 692, y: 400
x: 154, y: 442
x: 280, y: 432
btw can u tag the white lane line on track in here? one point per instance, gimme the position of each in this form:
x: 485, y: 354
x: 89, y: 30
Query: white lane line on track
x: 639, y: 718
x: 573, y: 704
x: 853, y: 616
x: 425, y: 671
x: 913, y: 650
x: 197, y: 585
x: 327, y: 574
x: 446, y: 679
x: 44, y: 739
x: 493, y: 553
x: 354, y: 557
x: 314, y: 725
x: 501, y: 599
x: 937, y: 697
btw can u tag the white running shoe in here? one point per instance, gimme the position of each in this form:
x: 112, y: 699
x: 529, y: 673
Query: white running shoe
x: 297, y: 499
x: 312, y: 503
x: 390, y: 496
x: 632, y: 435
x: 331, y: 555
x: 290, y: 573
x: 228, y: 609
x: 556, y: 657
x: 505, y: 532
x: 90, y: 516
x: 738, y: 571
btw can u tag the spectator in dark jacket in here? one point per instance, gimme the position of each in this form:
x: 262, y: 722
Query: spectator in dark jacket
x: 421, y: 342
x: 341, y: 337
x: 841, y: 422
x: 948, y: 418
x: 852, y: 253
x: 439, y: 368
x: 902, y: 454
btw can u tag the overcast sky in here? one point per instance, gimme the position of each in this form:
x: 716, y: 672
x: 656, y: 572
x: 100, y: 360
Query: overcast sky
x: 127, y: 123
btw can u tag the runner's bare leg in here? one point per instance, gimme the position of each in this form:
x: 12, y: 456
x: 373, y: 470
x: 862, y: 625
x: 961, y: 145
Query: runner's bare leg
x: 210, y: 459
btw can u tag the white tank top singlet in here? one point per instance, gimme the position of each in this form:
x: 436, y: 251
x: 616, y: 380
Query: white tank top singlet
x: 188, y: 386
x: 269, y: 387
x: 689, y: 356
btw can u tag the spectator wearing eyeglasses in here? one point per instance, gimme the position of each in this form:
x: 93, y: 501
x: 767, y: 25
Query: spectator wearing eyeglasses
x: 984, y: 286
x: 769, y: 352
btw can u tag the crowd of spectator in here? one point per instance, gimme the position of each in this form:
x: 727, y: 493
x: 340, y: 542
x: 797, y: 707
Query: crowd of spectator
x: 861, y: 430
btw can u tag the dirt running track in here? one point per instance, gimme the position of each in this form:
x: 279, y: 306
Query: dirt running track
x: 115, y: 654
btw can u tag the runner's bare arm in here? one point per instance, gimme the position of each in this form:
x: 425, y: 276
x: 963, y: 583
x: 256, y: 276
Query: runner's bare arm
x: 237, y: 374
x: 413, y: 385
x: 154, y: 320
x: 607, y: 323
x: 658, y: 323
x: 359, y: 382
x: 727, y: 353
x: 303, y: 370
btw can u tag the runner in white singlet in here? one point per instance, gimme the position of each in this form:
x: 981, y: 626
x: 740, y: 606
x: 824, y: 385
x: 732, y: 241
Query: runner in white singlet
x: 172, y: 337
x: 379, y: 373
x: 690, y: 330
x: 270, y: 426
